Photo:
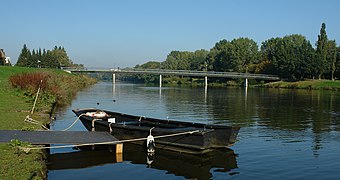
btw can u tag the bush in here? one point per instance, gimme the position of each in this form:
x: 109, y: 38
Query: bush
x: 58, y: 89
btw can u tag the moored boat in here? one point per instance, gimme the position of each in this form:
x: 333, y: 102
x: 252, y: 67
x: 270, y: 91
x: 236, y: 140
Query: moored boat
x: 187, y: 137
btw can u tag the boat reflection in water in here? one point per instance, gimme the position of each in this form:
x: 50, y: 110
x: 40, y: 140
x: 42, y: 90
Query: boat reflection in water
x: 179, y: 164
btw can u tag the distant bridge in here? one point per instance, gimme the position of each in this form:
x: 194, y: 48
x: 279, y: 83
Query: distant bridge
x: 188, y: 73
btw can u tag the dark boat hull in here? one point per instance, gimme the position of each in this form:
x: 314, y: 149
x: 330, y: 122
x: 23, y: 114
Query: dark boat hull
x: 194, y: 138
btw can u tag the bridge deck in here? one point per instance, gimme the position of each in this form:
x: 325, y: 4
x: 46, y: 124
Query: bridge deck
x: 56, y: 137
x: 179, y: 73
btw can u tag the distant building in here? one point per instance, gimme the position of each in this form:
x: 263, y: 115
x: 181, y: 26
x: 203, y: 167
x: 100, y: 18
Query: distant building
x: 4, y: 61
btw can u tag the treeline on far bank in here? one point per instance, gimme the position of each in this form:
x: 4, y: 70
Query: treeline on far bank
x: 292, y: 58
x: 42, y: 58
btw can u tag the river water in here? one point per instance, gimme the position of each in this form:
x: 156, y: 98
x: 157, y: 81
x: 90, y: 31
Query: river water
x: 285, y: 134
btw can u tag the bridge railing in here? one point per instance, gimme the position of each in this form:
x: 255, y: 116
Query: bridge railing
x: 178, y: 72
x: 200, y: 72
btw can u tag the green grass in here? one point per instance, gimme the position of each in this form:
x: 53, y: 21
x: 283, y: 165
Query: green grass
x: 15, y: 106
x: 310, y: 84
x: 16, y: 164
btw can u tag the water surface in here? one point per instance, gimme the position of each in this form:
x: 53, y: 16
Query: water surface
x: 285, y: 134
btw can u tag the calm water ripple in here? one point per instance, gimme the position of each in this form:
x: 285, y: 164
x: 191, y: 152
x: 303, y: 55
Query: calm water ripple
x: 285, y: 134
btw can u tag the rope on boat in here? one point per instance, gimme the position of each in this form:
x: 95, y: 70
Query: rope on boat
x: 93, y: 121
x: 110, y: 127
x: 26, y: 149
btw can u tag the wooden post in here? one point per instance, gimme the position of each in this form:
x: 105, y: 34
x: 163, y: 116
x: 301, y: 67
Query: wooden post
x: 119, y: 148
x: 36, y: 97
x: 160, y: 80
x: 119, y: 152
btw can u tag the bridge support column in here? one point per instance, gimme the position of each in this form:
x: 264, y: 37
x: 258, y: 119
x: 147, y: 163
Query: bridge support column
x: 160, y: 80
x: 113, y: 78
x: 206, y: 81
x: 246, y: 83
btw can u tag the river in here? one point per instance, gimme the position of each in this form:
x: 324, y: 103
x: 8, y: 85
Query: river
x: 285, y: 134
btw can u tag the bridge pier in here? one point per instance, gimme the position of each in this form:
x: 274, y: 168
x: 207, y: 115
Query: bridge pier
x: 206, y: 81
x: 113, y: 78
x: 246, y: 83
x: 160, y: 80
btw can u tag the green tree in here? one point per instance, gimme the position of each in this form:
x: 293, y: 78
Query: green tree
x: 150, y: 65
x: 51, y: 59
x: 236, y: 55
x: 44, y: 58
x: 332, y: 57
x: 62, y: 57
x: 267, y: 53
x: 24, y: 57
x: 171, y: 61
x: 244, y: 53
x: 32, y: 62
x: 220, y: 55
x: 144, y: 77
x: 337, y: 64
x: 291, y: 57
x: 321, y: 52
x: 198, y: 60
x: 178, y: 60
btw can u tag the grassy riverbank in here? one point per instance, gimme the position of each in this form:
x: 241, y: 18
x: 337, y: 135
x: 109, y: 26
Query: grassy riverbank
x: 310, y: 84
x: 16, y: 104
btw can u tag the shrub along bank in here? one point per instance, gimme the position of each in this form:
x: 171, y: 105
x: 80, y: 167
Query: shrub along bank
x: 18, y: 88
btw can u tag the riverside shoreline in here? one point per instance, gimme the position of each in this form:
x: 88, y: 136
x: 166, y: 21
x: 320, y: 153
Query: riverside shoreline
x: 16, y: 104
x: 308, y: 84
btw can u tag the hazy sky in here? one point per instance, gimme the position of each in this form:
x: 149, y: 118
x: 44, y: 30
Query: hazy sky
x: 112, y: 33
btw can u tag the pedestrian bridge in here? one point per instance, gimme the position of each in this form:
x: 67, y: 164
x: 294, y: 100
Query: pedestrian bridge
x: 187, y: 73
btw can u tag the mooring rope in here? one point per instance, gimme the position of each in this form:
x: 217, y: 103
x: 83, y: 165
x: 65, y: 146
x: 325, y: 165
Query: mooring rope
x: 26, y: 149
x: 73, y: 122
x: 31, y: 120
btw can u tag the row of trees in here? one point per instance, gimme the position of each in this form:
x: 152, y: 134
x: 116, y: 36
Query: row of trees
x: 291, y: 57
x: 55, y: 58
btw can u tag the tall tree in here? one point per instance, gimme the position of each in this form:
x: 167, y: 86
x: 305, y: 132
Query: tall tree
x: 290, y: 56
x: 321, y: 52
x: 337, y: 64
x: 32, y: 62
x: 24, y: 57
x: 236, y: 55
x: 62, y: 57
x: 332, y: 55
x: 198, y: 60
x: 268, y: 50
x: 244, y: 53
x: 219, y: 56
x: 178, y: 60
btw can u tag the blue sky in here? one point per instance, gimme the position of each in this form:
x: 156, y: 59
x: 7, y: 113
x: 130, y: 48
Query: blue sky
x: 112, y: 33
